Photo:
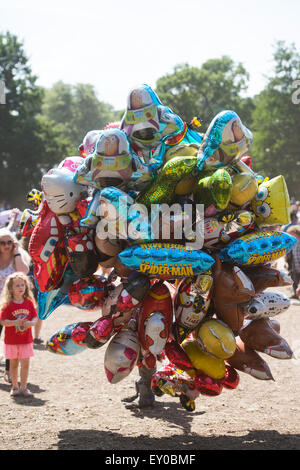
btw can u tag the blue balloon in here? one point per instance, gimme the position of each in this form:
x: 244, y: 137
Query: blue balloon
x: 258, y: 248
x: 51, y: 300
x: 70, y: 339
x: 166, y: 260
x: 219, y: 136
x: 151, y: 126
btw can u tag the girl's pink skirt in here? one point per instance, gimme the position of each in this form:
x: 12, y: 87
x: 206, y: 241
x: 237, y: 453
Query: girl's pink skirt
x: 18, y: 351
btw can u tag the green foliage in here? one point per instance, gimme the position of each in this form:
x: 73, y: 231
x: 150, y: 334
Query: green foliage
x: 276, y: 121
x: 203, y: 92
x: 39, y: 128
x: 75, y: 110
x: 28, y: 144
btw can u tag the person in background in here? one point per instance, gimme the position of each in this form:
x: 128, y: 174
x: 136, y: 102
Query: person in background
x: 293, y: 260
x: 18, y: 315
x: 12, y: 258
x: 294, y: 221
x: 13, y: 222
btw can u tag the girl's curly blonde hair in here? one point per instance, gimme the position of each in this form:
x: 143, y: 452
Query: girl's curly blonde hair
x: 7, y: 291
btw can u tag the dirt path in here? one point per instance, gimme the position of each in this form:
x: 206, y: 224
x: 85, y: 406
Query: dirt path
x: 76, y: 408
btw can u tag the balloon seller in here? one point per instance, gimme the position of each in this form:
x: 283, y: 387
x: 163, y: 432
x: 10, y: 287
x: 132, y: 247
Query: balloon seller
x: 187, y: 300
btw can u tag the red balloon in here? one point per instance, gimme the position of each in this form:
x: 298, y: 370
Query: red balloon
x: 88, y: 293
x: 102, y: 329
x: 157, y: 300
x: 113, y: 125
x: 149, y: 361
x: 178, y: 356
x: 231, y: 378
x: 79, y: 332
x: 248, y: 160
x: 47, y: 250
x: 207, y: 385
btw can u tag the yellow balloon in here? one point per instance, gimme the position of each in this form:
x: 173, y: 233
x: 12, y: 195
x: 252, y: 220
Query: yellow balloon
x: 181, y: 150
x: 210, y: 365
x: 216, y: 338
x: 186, y: 186
x: 244, y: 188
x: 271, y: 203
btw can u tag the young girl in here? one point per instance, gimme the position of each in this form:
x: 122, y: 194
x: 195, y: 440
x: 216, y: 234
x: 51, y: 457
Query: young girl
x: 18, y: 314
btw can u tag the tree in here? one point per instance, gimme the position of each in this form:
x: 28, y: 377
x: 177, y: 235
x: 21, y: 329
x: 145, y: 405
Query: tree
x: 76, y: 110
x: 217, y: 85
x: 28, y: 144
x: 276, y: 121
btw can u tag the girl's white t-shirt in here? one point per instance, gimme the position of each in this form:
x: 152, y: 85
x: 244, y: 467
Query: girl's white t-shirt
x: 4, y: 273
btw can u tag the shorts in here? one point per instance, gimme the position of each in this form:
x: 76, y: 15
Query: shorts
x: 18, y: 351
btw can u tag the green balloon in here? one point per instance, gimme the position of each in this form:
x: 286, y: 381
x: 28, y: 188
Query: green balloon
x: 163, y: 187
x: 215, y: 189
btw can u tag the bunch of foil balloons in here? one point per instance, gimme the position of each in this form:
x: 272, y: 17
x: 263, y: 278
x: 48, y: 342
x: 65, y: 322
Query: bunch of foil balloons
x: 188, y: 232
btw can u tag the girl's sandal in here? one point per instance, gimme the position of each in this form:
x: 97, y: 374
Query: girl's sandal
x: 26, y: 393
x: 7, y: 377
x: 14, y: 392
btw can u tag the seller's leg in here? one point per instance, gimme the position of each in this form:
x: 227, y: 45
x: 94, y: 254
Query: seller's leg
x: 37, y: 331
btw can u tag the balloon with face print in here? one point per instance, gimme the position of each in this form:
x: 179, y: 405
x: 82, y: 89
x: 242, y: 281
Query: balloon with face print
x: 60, y: 191
x: 112, y: 161
x: 89, y: 143
x: 225, y: 141
x: 152, y: 128
x: 271, y: 203
x: 146, y: 121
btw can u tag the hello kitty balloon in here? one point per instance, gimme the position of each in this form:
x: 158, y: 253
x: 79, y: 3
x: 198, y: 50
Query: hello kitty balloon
x: 61, y: 192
